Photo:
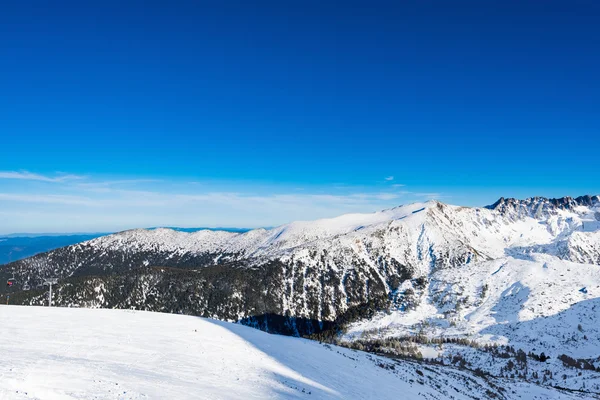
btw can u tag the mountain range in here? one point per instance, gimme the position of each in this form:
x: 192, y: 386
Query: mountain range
x: 16, y: 246
x: 509, y: 291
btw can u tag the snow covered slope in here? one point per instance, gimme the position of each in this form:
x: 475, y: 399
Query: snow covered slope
x: 54, y: 353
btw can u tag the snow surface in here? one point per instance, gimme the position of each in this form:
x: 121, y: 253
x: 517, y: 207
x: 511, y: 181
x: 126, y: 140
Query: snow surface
x: 68, y: 353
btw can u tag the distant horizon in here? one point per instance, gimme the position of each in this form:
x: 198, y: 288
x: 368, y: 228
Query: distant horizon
x: 176, y: 228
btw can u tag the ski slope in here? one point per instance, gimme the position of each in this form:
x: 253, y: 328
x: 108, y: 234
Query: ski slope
x: 69, y: 353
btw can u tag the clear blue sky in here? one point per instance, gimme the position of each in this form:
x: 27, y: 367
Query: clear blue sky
x: 285, y: 102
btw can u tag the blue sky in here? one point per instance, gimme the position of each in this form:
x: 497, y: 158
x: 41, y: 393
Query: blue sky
x: 116, y: 115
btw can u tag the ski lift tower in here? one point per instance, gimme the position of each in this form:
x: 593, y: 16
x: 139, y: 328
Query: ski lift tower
x: 50, y: 282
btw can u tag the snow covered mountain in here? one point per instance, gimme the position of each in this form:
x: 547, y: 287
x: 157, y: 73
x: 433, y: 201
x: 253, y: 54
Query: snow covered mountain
x: 474, y: 287
x: 63, y: 353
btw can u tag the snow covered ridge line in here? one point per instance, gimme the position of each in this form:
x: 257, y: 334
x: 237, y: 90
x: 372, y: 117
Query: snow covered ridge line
x: 217, y: 240
x: 348, y: 222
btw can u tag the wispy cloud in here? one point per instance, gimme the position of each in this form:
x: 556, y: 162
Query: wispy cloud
x: 25, y: 175
x: 50, y: 199
x: 431, y: 196
x: 138, y: 198
x: 397, y: 185
x: 119, y: 182
x: 91, y: 204
x: 114, y: 185
x: 389, y: 178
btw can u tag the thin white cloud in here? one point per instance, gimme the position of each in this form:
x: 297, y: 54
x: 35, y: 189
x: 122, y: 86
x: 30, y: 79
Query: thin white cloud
x: 25, y: 175
x: 431, y: 196
x: 396, y: 185
x: 121, y: 182
x: 139, y: 198
x: 389, y: 178
x: 49, y: 199
x: 104, y: 205
x: 113, y: 185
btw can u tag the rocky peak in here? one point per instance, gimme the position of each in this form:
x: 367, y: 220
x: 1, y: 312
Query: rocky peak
x: 538, y: 207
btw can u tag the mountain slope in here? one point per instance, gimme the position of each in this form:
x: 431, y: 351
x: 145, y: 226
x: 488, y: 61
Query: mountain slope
x: 76, y: 354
